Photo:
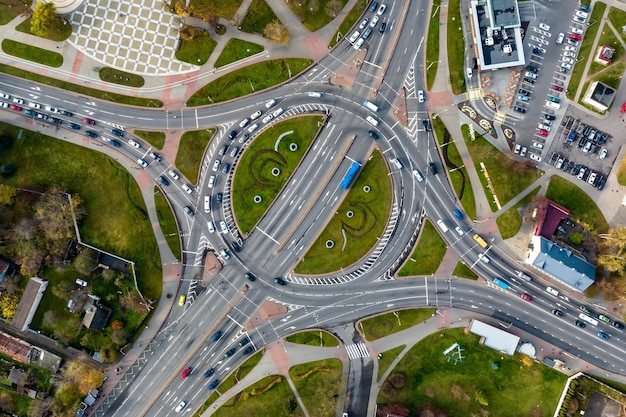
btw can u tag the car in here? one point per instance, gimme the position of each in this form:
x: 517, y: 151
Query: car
x: 537, y: 145
x: 552, y: 291
x: 573, y: 42
x: 381, y: 9
x: 581, y: 173
x: 5, y: 96
x: 210, y: 226
x: 216, y: 336
x: 418, y: 175
x: 584, y: 8
x: 568, y: 60
x: 526, y: 297
x: 603, y: 336
x: 556, y: 87
x: 373, y: 7
x: 587, y: 147
x: 519, y: 109
x: 188, y: 210
x: 569, y: 54
x: 267, y: 118
x: 535, y: 157
x: 523, y: 151
x: 278, y: 112
x: 213, y: 384
x: 117, y: 133
x: 522, y: 98
x: 578, y: 31
x: 554, y: 99
x: 280, y: 281
x: 186, y: 373
x: 582, y: 13
x: 232, y: 135
x: 570, y: 48
x: 579, y: 20
x: 604, y: 318
x: 243, y: 342
x: 90, y: 122
x: 115, y: 143
x: 372, y: 134
x: 543, y: 26
x: 52, y: 109
x: 209, y: 372
x: 134, y: 144
x: 225, y: 254
x: 547, y: 122
x: 244, y: 138
x: 580, y: 324
x: 543, y: 132
x: 469, y: 72
x: 617, y: 325
x: 235, y: 246
x: 585, y: 309
x: 256, y: 115
x: 34, y: 105
x: 30, y: 112
x: 559, y: 38
x: 74, y: 126
x: 544, y: 127
x: 248, y: 350
x: 223, y: 227
x: 216, y: 165
x: 517, y: 148
x: 142, y: 162
x: 532, y: 69
x: 575, y: 36
x: 564, y: 70
x: 426, y: 124
x: 559, y: 163
x: 45, y: 117
x: 14, y: 107
x: 433, y: 168
x: 382, y: 27
x: 180, y: 406
x: 524, y: 92
x: 529, y: 81
x: 459, y: 231
x: 18, y: 101
x: 557, y: 312
x: 354, y: 36
x: 58, y: 121
x: 363, y: 23
x: 484, y: 258
x: 89, y: 133
x: 254, y: 126
x: 234, y: 152
x: 603, y: 153
x: 218, y: 198
x: 458, y: 214
x: 173, y: 174
x: 250, y: 276
x: 358, y: 44
x: 420, y: 96
x: 230, y: 352
x: 601, y: 183
x: 244, y: 123
x: 539, y: 51
x: 222, y: 150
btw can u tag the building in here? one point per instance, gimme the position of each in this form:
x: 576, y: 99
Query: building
x: 494, y: 338
x: 496, y: 31
x: 605, y: 55
x: 96, y: 315
x: 23, y: 352
x: 599, y: 96
x: 29, y: 303
x: 548, y: 218
x: 7, y: 269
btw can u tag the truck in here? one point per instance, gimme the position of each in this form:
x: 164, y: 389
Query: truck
x: 481, y: 242
x: 370, y: 106
x: 523, y: 276
x: 501, y: 283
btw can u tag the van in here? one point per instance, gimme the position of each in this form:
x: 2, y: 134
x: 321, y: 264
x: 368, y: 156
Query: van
x: 418, y: 175
x: 524, y: 276
x: 314, y: 94
x: 552, y: 105
x: 207, y: 203
x: 370, y: 106
x: 442, y: 225
x: 270, y: 104
x: 397, y: 163
x: 372, y: 121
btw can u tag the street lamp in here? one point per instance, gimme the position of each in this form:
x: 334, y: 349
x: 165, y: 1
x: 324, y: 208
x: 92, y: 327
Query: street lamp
x: 431, y: 64
x: 579, y: 59
x: 437, y: 114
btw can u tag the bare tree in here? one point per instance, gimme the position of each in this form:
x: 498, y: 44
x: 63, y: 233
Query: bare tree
x: 333, y: 8
x: 276, y: 31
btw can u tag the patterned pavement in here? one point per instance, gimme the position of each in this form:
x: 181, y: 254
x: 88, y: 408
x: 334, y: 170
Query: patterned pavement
x: 139, y: 36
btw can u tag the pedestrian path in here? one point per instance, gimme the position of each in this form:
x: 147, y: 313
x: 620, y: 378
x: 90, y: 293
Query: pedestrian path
x: 357, y: 350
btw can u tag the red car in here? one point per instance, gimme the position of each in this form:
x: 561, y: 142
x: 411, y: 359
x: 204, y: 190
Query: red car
x: 89, y: 121
x: 575, y: 36
x: 543, y: 132
x: 526, y: 297
x: 18, y: 108
x: 185, y: 373
x: 557, y: 88
x: 623, y: 107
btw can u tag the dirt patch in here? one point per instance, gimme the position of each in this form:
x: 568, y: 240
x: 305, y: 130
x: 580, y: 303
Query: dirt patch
x: 346, y: 76
x: 212, y: 266
x: 267, y: 311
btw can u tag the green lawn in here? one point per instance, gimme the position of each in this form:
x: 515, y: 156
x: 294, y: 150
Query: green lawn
x: 583, y: 208
x: 463, y: 271
x: 508, y: 176
x: 315, y: 14
x: 353, y: 237
x: 607, y: 37
x: 471, y: 387
x: 12, y: 402
x: 79, y: 89
x: 198, y: 50
x: 212, y: 398
x: 167, y: 223
x: 348, y: 22
x: 190, y: 152
x: 510, y: 221
x: 10, y: 9
x: 248, y: 80
x: 432, y: 44
x: 456, y: 48
x: 621, y: 173
x: 221, y: 8
x: 254, y: 172
x: 317, y: 338
x: 271, y: 396
x: 458, y: 177
x: 617, y: 17
x: 319, y: 385
x: 32, y: 53
x: 585, y: 51
x: 235, y: 50
x: 611, y: 76
x: 427, y: 255
x: 241, y: 372
x: 387, y: 359
x: 156, y: 139
x: 113, y: 75
x: 62, y: 33
x: 258, y: 16
x: 383, y: 325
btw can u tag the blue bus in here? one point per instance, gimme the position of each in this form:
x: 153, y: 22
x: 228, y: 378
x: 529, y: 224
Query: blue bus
x: 347, y: 179
x: 501, y: 283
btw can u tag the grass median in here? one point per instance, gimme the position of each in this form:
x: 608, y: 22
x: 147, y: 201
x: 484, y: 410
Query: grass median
x: 258, y: 17
x: 156, y: 139
x: 317, y: 338
x: 383, y: 325
x: 427, y: 255
x: 198, y: 49
x: 456, y: 47
x: 463, y: 271
x: 241, y: 372
x: 235, y: 50
x: 190, y: 152
x: 319, y: 385
x: 347, y: 24
x: 247, y: 80
x: 357, y: 225
x: 167, y: 223
x: 113, y: 75
x: 316, y: 17
x: 432, y: 44
x: 32, y: 53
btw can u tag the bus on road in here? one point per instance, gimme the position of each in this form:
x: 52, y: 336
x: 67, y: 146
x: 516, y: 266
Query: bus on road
x: 347, y: 178
x: 481, y: 242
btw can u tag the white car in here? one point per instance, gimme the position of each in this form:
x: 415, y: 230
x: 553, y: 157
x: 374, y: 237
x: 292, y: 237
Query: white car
x: 483, y: 258
x: 603, y: 153
x: 211, y: 181
x: 211, y: 226
x: 420, y: 96
x: 566, y: 65
x: 578, y: 19
x: 592, y: 178
x: 142, y: 162
x: 544, y: 127
x: 278, y: 112
x: 530, y: 74
x: 244, y: 123
x: 268, y: 118
x: 582, y: 14
x: 52, y: 109
x: 173, y: 174
x: 517, y: 148
x: 569, y: 54
x: 552, y: 291
x: 253, y: 128
x: 180, y: 406
x: 535, y: 157
x: 134, y: 144
x: 559, y: 39
x: 537, y: 145
x: 224, y: 254
x: 459, y: 231
x: 223, y: 227
x: 363, y: 23
x: 577, y: 31
x: 523, y: 151
x: 4, y: 105
x: 255, y: 115
x: 5, y: 96
x: 374, y: 21
x: 543, y: 26
x: 418, y: 175
x: 381, y: 9
x: 469, y: 72
x: 18, y: 101
x: 570, y: 48
x: 568, y: 60
x: 354, y: 36
x: 34, y: 105
x: 581, y: 173
x: 187, y: 189
x: 216, y: 165
x: 358, y: 44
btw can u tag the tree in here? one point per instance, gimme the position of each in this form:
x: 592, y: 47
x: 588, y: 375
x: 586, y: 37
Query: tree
x: 333, y: 7
x: 8, y: 305
x: 7, y: 195
x: 613, y: 250
x: 6, y: 170
x: 44, y: 19
x: 62, y: 290
x: 5, y: 143
x: 276, y: 31
x: 576, y: 238
x: 117, y: 325
x: 86, y: 261
x: 313, y: 5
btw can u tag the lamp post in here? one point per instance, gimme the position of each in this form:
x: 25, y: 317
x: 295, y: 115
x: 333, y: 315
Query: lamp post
x: 431, y: 64
x: 437, y: 114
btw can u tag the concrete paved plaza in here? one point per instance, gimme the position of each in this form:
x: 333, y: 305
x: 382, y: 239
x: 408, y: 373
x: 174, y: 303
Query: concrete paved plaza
x: 138, y: 36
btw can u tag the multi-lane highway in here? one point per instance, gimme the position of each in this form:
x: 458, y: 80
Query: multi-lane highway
x: 299, y: 214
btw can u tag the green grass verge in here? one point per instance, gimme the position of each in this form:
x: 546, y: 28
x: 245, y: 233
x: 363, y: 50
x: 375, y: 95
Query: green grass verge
x: 116, y: 220
x: 508, y: 176
x: 319, y: 385
x: 79, y: 89
x: 376, y: 327
x: 62, y: 33
x: 271, y: 396
x: 221, y: 8
x: 585, y: 51
x: 167, y: 223
x: 32, y: 53
x: 253, y: 175
x: 456, y: 47
x: 10, y: 9
x: 351, y: 18
x: 156, y: 139
x: 198, y: 50
x: 258, y: 16
x: 458, y: 176
x: 621, y: 173
x: 463, y: 271
x: 235, y: 50
x: 582, y: 207
x: 472, y: 387
x: 14, y: 403
x: 432, y: 45
x: 617, y: 17
x: 190, y: 152
x: 362, y: 231
x: 314, y: 18
x: 248, y: 80
x: 510, y: 221
x: 427, y: 255
x: 200, y: 411
x: 113, y: 75
x: 318, y: 338
x: 387, y: 359
x: 241, y: 372
x: 607, y: 37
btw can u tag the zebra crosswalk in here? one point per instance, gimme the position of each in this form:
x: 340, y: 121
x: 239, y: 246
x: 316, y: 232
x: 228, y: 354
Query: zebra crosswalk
x: 358, y: 350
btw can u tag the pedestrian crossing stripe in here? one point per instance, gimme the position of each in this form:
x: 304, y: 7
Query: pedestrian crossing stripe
x: 358, y: 350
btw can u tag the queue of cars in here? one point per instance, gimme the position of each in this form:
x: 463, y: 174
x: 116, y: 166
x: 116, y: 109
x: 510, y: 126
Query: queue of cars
x: 358, y: 38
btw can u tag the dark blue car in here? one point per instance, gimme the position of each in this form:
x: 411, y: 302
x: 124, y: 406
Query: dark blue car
x: 209, y: 372
x: 213, y: 384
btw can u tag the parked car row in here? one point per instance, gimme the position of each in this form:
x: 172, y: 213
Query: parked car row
x: 357, y: 39
x: 581, y: 172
